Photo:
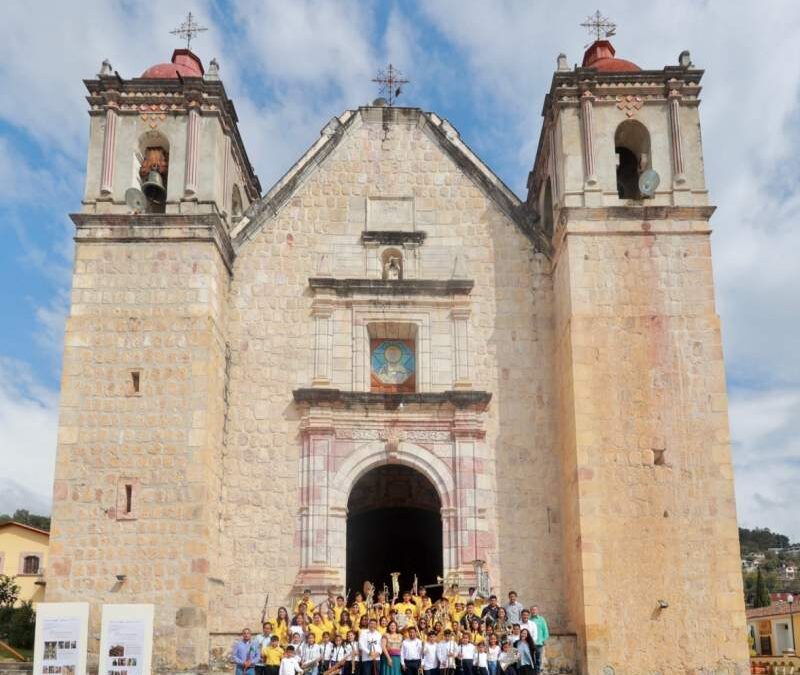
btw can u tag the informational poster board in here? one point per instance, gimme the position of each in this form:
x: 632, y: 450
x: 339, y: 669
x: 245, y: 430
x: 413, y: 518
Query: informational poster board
x: 61, y: 638
x: 126, y: 639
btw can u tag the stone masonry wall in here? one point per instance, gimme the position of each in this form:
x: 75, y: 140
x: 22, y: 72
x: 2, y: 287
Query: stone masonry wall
x: 157, y: 308
x: 644, y: 414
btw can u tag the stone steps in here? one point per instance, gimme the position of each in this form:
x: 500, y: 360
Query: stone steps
x: 16, y: 667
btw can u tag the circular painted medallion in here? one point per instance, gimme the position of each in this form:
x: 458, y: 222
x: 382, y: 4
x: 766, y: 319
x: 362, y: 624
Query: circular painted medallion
x: 392, y: 362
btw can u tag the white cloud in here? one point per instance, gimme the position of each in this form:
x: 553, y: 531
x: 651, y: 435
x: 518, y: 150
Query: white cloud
x: 767, y: 458
x: 14, y: 495
x: 297, y: 65
x: 28, y: 429
x: 306, y: 43
x: 49, y: 47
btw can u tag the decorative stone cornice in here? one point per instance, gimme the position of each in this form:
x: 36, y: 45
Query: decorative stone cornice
x: 161, y: 97
x: 155, y: 227
x: 477, y: 400
x: 566, y: 88
x: 630, y: 221
x: 642, y: 213
x: 392, y: 237
x: 347, y: 287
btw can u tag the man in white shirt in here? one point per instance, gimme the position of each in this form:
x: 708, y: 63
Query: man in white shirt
x: 262, y: 642
x: 513, y: 609
x: 530, y: 624
x: 369, y: 645
x: 411, y: 653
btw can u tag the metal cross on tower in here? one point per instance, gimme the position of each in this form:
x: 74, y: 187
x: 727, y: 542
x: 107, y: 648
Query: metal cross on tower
x: 599, y: 25
x: 391, y: 81
x: 188, y: 30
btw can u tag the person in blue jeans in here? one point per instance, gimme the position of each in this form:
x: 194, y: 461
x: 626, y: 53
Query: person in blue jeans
x: 526, y: 649
x: 542, y: 633
x: 245, y: 654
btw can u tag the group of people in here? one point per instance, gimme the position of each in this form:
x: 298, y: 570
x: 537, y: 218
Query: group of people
x: 454, y: 635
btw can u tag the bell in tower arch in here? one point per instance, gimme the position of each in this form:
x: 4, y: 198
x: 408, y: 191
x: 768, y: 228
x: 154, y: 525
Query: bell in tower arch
x: 153, y: 173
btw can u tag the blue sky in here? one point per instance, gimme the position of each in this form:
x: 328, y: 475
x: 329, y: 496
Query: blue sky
x: 291, y: 66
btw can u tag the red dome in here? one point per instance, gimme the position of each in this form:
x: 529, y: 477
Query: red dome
x: 184, y: 63
x: 600, y: 56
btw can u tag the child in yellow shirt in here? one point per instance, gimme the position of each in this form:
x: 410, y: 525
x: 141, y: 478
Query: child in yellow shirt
x: 271, y: 655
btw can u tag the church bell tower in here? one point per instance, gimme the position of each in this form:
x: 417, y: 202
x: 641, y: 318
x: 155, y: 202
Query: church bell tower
x: 137, y: 493
x: 642, y: 413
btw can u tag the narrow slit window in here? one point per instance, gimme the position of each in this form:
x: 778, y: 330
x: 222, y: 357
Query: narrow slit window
x: 127, y: 491
x: 135, y: 381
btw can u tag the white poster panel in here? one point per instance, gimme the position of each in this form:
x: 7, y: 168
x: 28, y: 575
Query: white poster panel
x: 126, y: 639
x: 61, y: 638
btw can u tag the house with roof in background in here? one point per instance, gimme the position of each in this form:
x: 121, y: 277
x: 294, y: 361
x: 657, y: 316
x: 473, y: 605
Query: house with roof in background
x: 773, y: 632
x: 23, y: 555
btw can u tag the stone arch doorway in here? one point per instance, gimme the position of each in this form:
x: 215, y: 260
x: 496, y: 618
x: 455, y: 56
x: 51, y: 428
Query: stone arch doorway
x: 394, y: 524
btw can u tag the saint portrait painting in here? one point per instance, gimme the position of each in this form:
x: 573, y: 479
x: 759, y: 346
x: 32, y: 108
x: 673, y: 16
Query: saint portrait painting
x: 393, y: 365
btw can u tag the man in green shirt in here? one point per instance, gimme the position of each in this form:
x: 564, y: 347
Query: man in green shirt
x: 542, y: 633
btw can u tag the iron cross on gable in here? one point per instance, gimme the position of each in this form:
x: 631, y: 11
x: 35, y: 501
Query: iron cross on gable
x: 188, y: 30
x: 391, y: 81
x: 600, y: 26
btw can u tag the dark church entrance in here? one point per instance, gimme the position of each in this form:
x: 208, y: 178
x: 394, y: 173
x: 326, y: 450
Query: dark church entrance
x: 394, y: 524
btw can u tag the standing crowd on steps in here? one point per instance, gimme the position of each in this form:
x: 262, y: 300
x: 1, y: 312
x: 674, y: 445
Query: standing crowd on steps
x: 412, y: 635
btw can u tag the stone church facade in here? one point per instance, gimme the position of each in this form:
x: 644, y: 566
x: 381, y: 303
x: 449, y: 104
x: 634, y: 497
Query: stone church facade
x: 390, y: 328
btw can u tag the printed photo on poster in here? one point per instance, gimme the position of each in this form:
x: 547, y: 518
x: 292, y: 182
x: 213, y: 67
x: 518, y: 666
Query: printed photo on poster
x: 126, y: 638
x: 61, y: 637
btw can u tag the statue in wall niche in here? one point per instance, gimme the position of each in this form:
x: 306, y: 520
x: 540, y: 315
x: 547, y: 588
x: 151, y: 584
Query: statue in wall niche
x: 459, y: 267
x: 393, y: 268
x: 324, y: 266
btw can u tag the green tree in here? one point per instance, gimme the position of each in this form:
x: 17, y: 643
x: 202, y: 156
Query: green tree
x: 761, y: 598
x: 9, y: 591
x: 760, y: 539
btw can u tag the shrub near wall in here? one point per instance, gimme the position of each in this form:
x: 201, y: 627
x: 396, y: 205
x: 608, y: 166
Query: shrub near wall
x: 18, y: 625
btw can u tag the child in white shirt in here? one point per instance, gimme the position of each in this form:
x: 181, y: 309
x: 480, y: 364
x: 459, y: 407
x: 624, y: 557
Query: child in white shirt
x: 289, y: 664
x: 492, y: 655
x: 482, y: 661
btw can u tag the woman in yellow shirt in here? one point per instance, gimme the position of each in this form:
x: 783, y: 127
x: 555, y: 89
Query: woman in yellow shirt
x: 422, y: 601
x: 355, y: 614
x: 338, y: 608
x: 345, y: 625
x: 317, y: 627
x: 475, y: 632
x: 329, y: 621
x: 362, y: 606
x: 423, y: 629
x: 281, y: 628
